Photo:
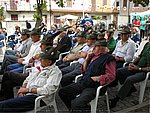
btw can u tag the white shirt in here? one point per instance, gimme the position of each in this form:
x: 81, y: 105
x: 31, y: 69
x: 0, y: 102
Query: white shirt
x: 46, y: 81
x: 125, y: 51
x: 35, y: 49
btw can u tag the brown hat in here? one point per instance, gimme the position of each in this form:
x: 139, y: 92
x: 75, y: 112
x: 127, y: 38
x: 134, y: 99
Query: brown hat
x: 50, y: 53
x: 25, y: 32
x: 126, y: 30
x: 101, y: 42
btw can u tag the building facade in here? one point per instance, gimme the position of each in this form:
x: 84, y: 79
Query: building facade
x: 18, y: 11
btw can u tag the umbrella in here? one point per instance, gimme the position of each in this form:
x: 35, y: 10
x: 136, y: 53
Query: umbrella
x: 72, y: 17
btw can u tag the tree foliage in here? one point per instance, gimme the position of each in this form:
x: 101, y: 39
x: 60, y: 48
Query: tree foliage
x: 60, y: 3
x: 39, y: 7
x: 144, y: 3
x: 1, y: 15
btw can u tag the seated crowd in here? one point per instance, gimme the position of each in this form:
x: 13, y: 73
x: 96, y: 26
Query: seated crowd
x: 97, y: 55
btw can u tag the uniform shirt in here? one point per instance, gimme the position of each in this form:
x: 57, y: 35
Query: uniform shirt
x: 125, y: 51
x: 76, y: 50
x: 26, y: 47
x: 46, y: 80
x: 35, y: 49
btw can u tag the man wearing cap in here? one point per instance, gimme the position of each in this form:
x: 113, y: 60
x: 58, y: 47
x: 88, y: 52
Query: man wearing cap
x: 44, y: 81
x: 134, y: 73
x: 111, y: 42
x: 13, y: 79
x: 64, y: 41
x: 35, y: 49
x: 11, y: 56
x: 70, y: 72
x: 79, y: 45
x: 125, y: 48
x: 99, y: 69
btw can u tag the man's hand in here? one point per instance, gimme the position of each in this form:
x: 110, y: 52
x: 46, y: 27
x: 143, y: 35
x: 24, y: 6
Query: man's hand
x: 117, y: 58
x: 133, y: 67
x: 23, y: 91
x: 96, y: 78
x: 20, y: 60
x: 37, y: 56
x: 89, y: 55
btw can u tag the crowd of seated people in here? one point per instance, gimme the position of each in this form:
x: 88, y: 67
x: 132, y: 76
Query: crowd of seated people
x: 96, y: 54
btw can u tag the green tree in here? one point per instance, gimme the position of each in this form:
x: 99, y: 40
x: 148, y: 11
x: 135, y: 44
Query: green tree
x: 39, y: 7
x: 1, y: 15
x: 60, y: 3
x: 144, y: 3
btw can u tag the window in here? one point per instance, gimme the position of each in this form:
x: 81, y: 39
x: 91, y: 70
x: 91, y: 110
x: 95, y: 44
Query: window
x: 124, y: 3
x: 104, y: 2
x: 69, y: 3
x: 136, y: 5
x: 117, y: 4
x: 14, y: 17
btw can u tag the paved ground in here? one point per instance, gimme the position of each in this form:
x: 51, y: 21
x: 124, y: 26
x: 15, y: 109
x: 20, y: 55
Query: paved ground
x: 122, y: 105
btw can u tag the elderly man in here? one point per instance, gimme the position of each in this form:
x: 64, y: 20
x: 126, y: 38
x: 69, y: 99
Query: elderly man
x: 11, y: 56
x: 70, y: 72
x: 125, y: 48
x: 43, y: 81
x: 134, y: 73
x: 35, y: 36
x: 99, y: 69
x: 13, y: 79
x: 79, y: 45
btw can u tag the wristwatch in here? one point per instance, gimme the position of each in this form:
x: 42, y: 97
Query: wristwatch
x: 140, y: 68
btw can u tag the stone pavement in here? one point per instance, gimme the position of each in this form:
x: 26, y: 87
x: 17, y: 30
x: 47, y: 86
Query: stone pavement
x: 123, y: 105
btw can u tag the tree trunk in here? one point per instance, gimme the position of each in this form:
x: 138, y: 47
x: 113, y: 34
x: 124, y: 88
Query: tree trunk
x: 39, y: 12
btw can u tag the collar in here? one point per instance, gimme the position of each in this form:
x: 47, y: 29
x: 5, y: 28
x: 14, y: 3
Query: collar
x: 25, y: 41
x: 49, y: 67
x: 36, y: 43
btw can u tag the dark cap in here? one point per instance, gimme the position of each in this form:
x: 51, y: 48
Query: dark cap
x: 64, y: 28
x: 47, y: 39
x: 36, y: 31
x: 81, y: 34
x: 126, y: 30
x: 91, y: 37
x: 25, y: 31
x: 100, y: 33
x: 50, y: 53
x: 110, y: 30
x: 101, y: 42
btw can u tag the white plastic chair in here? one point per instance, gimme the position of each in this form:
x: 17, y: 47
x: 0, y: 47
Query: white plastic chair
x: 93, y: 103
x: 37, y: 104
x: 61, y: 55
x: 142, y: 88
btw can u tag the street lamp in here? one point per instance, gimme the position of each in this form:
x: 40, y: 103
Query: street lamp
x: 83, y: 9
x: 50, y: 11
